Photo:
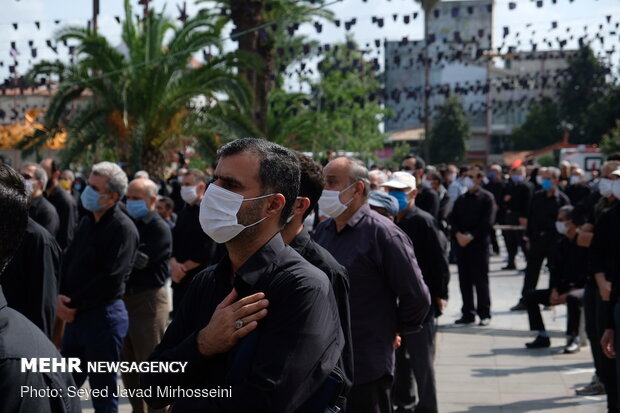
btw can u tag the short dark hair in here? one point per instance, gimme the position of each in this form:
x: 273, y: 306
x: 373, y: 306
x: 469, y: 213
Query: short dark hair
x: 312, y: 181
x: 167, y: 201
x: 278, y: 168
x: 198, y: 175
x: 13, y: 213
x: 419, y: 162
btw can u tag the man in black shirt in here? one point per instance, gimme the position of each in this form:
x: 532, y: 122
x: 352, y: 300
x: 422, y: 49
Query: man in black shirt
x: 65, y: 205
x: 514, y: 207
x: 540, y: 231
x: 415, y: 356
x: 146, y: 297
x: 93, y: 275
x: 41, y: 210
x: 19, y: 338
x: 495, y: 186
x: 192, y: 249
x: 30, y: 282
x: 272, y: 359
x: 568, y: 276
x: 428, y: 199
x: 472, y: 222
x: 294, y: 234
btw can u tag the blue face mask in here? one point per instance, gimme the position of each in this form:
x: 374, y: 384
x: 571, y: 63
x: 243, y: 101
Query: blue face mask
x: 90, y: 199
x: 492, y: 176
x: 547, y: 184
x: 401, y: 197
x: 137, y: 209
x: 77, y: 187
x: 516, y: 178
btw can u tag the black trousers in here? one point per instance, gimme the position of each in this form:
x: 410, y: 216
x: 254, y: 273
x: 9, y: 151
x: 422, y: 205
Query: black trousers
x: 513, y: 239
x: 473, y: 265
x: 373, y: 397
x: 494, y: 243
x: 415, y: 371
x: 541, y: 247
x: 593, y: 307
x: 533, y: 299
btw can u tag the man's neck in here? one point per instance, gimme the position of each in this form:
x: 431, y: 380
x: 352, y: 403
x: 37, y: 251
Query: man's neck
x: 550, y: 192
x: 99, y: 214
x: 54, y: 184
x: 402, y: 213
x: 571, y: 234
x: 240, y: 250
x: 342, y: 219
x: 291, y: 230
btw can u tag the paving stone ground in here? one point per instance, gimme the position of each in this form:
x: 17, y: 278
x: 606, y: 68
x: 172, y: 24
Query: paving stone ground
x: 489, y: 370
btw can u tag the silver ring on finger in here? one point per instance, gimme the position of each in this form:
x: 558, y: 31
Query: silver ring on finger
x: 239, y: 324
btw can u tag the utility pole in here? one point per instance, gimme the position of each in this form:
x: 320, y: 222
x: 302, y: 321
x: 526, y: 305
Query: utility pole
x: 145, y: 3
x: 95, y: 14
x: 427, y: 86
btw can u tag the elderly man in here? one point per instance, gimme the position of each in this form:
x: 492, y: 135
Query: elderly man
x: 19, y: 338
x: 388, y: 296
x: 93, y: 275
x: 41, y: 210
x: 146, y: 297
x: 428, y: 199
x: 415, y: 357
x: 63, y: 202
x: 263, y: 321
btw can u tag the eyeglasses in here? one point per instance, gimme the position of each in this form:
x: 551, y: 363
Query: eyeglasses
x: 26, y: 176
x: 405, y: 168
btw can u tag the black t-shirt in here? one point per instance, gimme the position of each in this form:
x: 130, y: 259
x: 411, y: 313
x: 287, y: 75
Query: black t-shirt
x: 44, y: 213
x: 67, y: 211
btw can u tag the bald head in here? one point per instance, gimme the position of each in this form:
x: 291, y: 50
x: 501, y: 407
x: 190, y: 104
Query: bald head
x: 143, y: 189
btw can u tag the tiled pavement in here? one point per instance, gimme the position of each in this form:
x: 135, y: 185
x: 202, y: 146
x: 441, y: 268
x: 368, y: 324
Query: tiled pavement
x: 489, y: 370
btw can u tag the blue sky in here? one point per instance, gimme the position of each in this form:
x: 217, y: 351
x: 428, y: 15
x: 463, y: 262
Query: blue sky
x: 525, y: 19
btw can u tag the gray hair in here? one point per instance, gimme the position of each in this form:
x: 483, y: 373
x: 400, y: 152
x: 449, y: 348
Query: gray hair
x: 150, y: 186
x: 358, y: 172
x: 39, y: 173
x: 117, y: 179
x: 69, y: 174
x: 381, y: 176
x: 555, y: 172
x: 141, y: 174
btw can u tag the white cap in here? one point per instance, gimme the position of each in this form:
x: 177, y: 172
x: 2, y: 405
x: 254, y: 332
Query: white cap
x: 401, y: 180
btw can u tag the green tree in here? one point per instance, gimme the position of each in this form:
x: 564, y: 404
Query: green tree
x: 542, y: 127
x: 145, y: 100
x: 450, y: 131
x: 585, y: 85
x: 611, y: 142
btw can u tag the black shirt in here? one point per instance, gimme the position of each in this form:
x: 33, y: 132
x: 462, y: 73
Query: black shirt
x: 44, y: 213
x: 544, y: 212
x: 474, y: 213
x: 30, y: 282
x: 387, y: 294
x: 428, y: 200
x: 19, y: 338
x: 66, y: 208
x: 156, y: 243
x: 496, y: 188
x: 577, y: 193
x: 277, y: 366
x: 431, y: 249
x: 99, y: 260
x: 337, y: 274
x: 518, y: 203
x: 570, y: 267
x: 191, y: 243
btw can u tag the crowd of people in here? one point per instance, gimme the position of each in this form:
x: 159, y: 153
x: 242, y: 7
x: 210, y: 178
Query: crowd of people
x: 299, y: 286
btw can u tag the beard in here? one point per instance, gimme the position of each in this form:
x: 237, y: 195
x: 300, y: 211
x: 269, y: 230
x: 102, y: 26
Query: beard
x: 248, y: 216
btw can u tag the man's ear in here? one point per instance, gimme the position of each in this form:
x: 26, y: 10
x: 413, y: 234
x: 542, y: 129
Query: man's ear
x: 301, y: 205
x: 412, y: 194
x: 275, y: 205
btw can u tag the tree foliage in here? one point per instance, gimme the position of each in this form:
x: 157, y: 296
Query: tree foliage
x: 542, y: 127
x: 145, y: 99
x: 450, y: 131
x: 611, y: 141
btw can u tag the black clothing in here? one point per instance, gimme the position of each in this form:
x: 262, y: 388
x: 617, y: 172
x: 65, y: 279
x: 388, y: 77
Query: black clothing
x: 387, y: 294
x: 67, y: 215
x: 277, y: 366
x: 474, y: 213
x: 156, y: 243
x: 577, y: 193
x: 497, y: 189
x: 428, y: 200
x: 371, y: 397
x: 189, y: 242
x: 99, y: 260
x: 337, y: 274
x: 544, y: 212
x: 516, y: 200
x: 570, y: 268
x: 44, y: 213
x: 574, y: 300
x: 431, y: 250
x: 30, y: 282
x: 19, y: 338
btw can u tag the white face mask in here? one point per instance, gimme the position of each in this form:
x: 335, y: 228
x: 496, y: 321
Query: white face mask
x: 329, y: 202
x: 29, y: 187
x: 539, y: 179
x: 426, y: 183
x: 605, y: 187
x: 468, y: 182
x: 561, y: 227
x: 452, y: 177
x: 574, y: 179
x: 616, y: 188
x: 189, y: 194
x: 218, y: 213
